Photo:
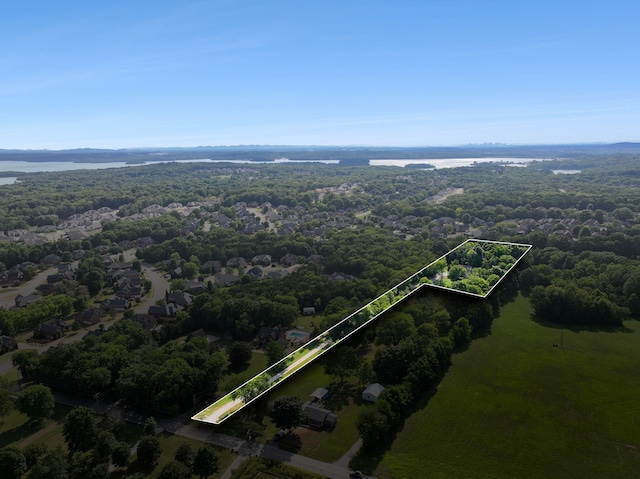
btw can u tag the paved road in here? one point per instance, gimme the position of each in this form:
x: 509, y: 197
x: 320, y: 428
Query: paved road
x: 159, y: 286
x: 8, y: 296
x: 205, y: 433
x: 246, y: 449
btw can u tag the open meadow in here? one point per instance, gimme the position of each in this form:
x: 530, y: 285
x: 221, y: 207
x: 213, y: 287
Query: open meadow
x: 529, y: 401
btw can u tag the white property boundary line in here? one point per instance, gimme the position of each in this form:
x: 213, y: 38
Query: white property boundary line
x: 452, y: 290
x: 214, y: 414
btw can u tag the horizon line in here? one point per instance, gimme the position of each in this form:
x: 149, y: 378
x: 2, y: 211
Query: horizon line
x: 355, y: 146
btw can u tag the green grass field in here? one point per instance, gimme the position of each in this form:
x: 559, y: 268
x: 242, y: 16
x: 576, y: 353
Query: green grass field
x: 515, y: 406
x: 17, y: 430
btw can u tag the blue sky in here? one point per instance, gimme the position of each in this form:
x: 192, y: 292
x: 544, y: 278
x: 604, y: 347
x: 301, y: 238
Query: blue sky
x: 120, y: 74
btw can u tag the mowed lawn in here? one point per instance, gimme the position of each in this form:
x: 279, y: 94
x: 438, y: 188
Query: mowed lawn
x: 327, y: 446
x: 515, y: 406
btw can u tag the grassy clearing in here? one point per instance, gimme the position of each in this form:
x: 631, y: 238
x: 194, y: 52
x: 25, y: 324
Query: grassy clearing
x: 515, y: 405
x: 258, y: 363
x: 304, y: 322
x: 6, y: 358
x: 16, y: 429
x: 261, y: 468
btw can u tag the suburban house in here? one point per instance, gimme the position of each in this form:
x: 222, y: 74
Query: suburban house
x: 180, y: 299
x: 67, y: 268
x: 237, y: 262
x: 23, y: 301
x: 319, y: 417
x: 129, y: 292
x: 77, y: 254
x: 50, y: 330
x: 213, y: 266
x: 194, y: 287
x: 89, y: 317
x: 147, y: 322
x: 289, y: 259
x: 7, y: 344
x: 267, y: 334
x: 372, y: 392
x: 52, y: 260
x: 166, y: 311
x: 255, y: 273
x: 261, y: 260
x: 201, y: 333
x: 118, y: 305
x: 10, y: 277
x: 308, y: 311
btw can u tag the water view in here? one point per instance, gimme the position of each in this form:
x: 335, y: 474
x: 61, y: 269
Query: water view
x: 49, y: 166
x: 450, y: 162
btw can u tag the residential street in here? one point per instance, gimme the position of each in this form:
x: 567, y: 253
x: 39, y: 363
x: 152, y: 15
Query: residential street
x: 246, y: 449
x: 194, y: 430
x: 159, y: 287
x: 8, y: 296
x: 206, y: 433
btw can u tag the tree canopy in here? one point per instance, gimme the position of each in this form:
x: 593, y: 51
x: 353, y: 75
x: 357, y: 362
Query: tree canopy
x: 287, y: 413
x: 36, y: 402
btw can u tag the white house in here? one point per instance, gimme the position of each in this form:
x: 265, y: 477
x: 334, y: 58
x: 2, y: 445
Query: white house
x: 372, y: 391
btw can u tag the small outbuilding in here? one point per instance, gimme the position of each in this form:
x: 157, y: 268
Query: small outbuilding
x: 372, y: 392
x: 320, y: 394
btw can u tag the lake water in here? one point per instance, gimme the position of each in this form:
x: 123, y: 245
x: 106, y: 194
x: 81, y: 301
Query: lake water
x: 45, y: 166
x: 48, y: 166
x: 451, y: 162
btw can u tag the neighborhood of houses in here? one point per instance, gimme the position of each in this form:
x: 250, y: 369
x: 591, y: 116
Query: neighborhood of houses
x: 250, y: 218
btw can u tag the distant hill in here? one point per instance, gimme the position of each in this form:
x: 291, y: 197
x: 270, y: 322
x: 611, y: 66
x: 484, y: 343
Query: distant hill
x: 347, y: 155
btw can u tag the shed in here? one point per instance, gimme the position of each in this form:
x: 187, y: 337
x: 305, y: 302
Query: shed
x: 372, y: 392
x: 320, y: 394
